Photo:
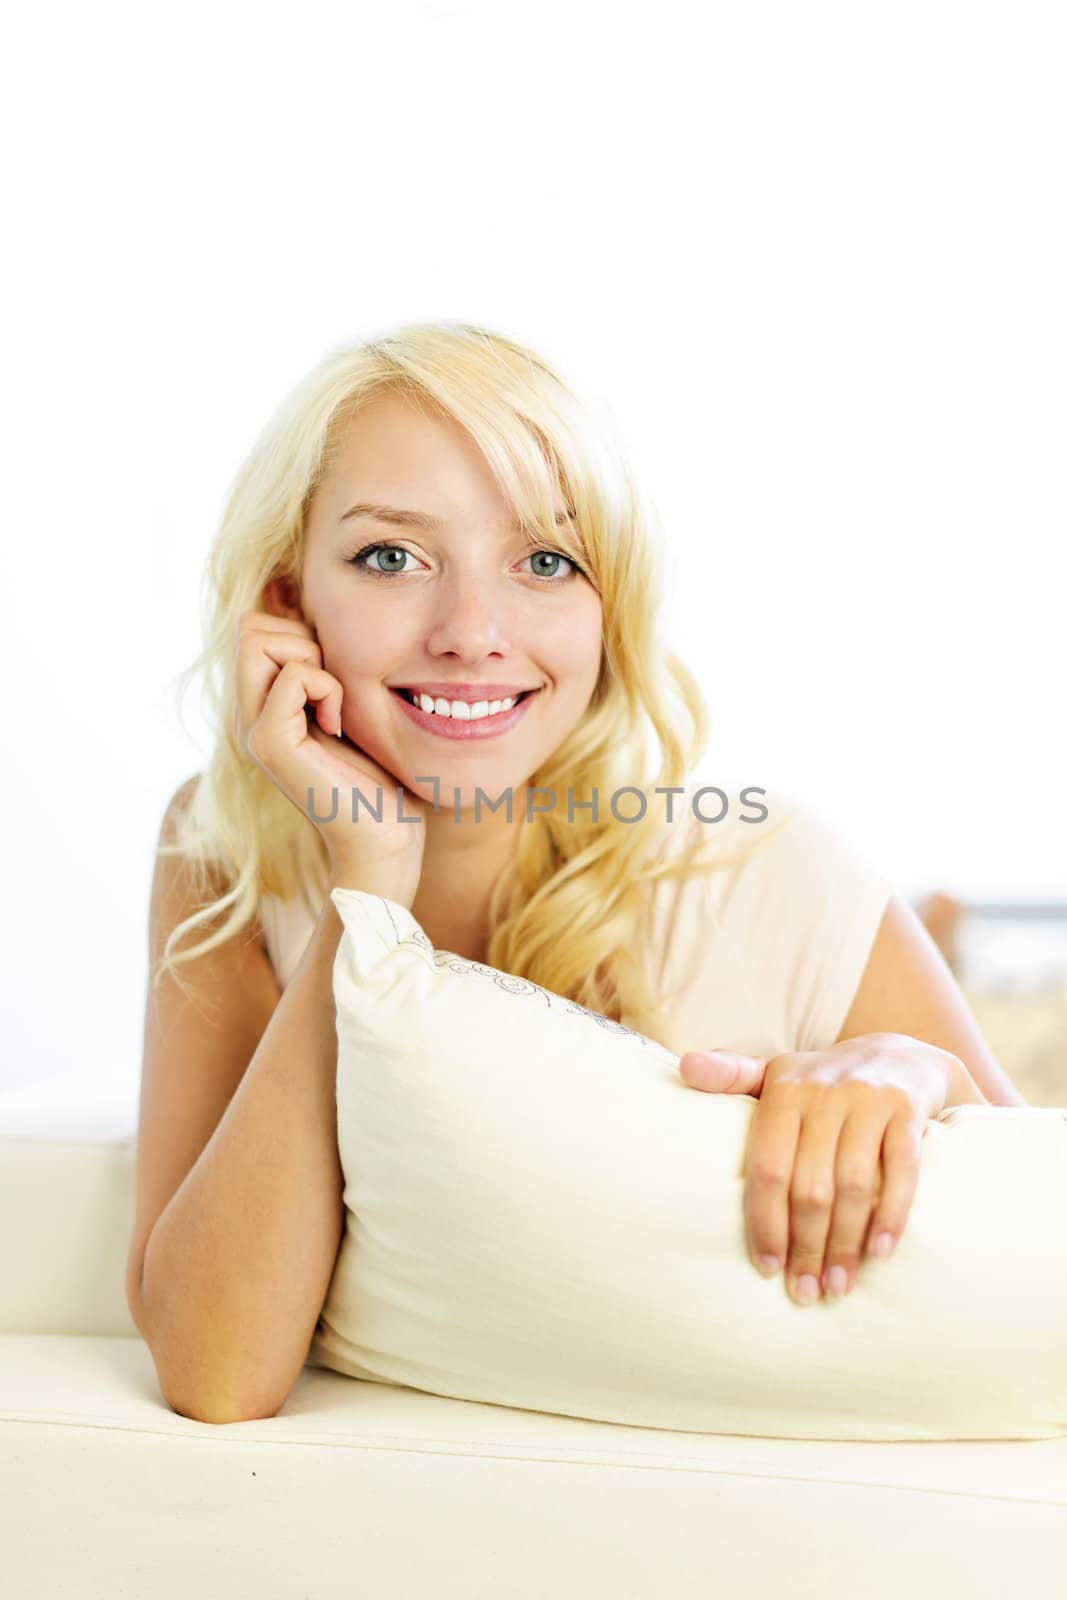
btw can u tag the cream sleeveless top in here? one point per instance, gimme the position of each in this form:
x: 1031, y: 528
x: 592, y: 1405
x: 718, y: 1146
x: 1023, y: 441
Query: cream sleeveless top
x: 762, y: 956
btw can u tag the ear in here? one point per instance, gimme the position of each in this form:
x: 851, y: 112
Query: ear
x: 281, y: 598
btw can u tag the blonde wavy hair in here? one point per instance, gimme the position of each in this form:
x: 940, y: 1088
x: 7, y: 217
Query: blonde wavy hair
x: 564, y: 913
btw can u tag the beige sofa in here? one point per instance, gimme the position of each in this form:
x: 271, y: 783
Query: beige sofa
x: 362, y: 1489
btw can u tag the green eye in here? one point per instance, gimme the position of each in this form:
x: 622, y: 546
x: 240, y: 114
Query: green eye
x: 363, y: 557
x: 553, y: 555
x: 373, y: 550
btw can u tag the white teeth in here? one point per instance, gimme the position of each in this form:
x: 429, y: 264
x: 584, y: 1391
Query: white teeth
x: 462, y: 710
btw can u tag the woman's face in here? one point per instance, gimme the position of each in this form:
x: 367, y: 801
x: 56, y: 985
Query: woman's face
x: 466, y: 602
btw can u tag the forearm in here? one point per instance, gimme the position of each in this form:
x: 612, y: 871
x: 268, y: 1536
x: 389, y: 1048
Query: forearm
x: 237, y: 1267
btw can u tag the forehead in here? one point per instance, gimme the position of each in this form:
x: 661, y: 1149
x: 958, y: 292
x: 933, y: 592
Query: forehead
x: 412, y: 457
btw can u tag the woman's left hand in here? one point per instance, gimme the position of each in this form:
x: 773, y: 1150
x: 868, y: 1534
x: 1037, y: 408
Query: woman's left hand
x: 824, y: 1121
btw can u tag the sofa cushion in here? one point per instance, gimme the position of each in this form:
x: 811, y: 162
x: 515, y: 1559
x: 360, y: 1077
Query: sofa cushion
x: 66, y: 1218
x: 541, y: 1214
x: 375, y: 1489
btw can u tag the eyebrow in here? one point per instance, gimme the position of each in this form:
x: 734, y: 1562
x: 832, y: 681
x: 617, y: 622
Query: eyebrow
x: 414, y: 519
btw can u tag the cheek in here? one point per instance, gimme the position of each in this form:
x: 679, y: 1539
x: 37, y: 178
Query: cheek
x: 569, y: 642
x: 356, y: 647
x: 579, y: 663
x: 349, y: 659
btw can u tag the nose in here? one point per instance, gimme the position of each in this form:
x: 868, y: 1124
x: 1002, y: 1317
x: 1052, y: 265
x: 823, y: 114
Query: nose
x: 470, y: 619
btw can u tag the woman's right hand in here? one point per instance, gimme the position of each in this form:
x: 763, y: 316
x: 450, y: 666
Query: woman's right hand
x: 279, y: 677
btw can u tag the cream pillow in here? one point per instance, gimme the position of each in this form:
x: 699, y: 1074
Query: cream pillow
x: 540, y: 1213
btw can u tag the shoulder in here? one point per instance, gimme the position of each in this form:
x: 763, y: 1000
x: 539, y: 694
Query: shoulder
x: 179, y: 803
x: 175, y: 884
x: 831, y: 900
x: 797, y: 837
x: 819, y: 860
x: 723, y: 847
x: 728, y: 825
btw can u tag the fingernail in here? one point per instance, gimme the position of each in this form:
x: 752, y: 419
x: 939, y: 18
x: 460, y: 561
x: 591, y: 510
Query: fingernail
x: 836, y: 1282
x: 769, y: 1265
x: 807, y: 1288
x: 882, y: 1246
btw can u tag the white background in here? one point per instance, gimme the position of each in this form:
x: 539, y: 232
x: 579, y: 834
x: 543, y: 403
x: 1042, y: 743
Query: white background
x: 812, y: 257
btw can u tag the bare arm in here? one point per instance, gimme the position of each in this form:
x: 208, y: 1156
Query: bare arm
x: 908, y: 988
x: 240, y: 1194
x: 237, y: 1267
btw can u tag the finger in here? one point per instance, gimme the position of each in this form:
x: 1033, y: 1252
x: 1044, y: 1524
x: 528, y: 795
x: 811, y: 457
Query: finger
x: 268, y: 621
x: 856, y: 1180
x: 261, y: 654
x: 282, y: 734
x: 298, y: 683
x: 768, y: 1169
x: 722, y: 1071
x: 811, y: 1199
x: 901, y: 1158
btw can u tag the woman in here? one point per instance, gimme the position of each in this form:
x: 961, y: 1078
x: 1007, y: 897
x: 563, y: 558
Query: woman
x: 433, y: 526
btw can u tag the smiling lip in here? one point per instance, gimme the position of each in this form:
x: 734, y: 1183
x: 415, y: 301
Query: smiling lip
x: 457, y: 728
x: 472, y: 692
